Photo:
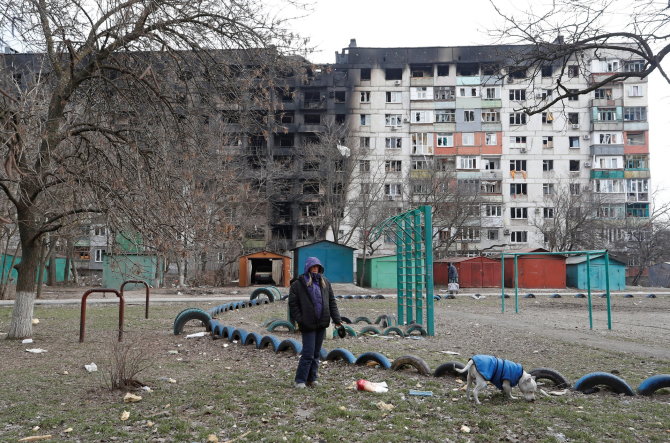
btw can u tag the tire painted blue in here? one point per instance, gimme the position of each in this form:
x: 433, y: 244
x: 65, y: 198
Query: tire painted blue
x: 281, y: 324
x: 555, y: 296
x: 253, y: 338
x: 437, y: 297
x: 190, y: 314
x: 217, y: 328
x: 289, y: 343
x: 341, y: 354
x: 653, y: 384
x: 651, y: 296
x: 240, y: 335
x: 531, y: 295
x: 580, y: 295
x: 269, y: 340
x: 339, y: 297
x: 358, y: 297
x: 348, y: 297
x: 628, y: 296
x: 367, y: 297
x: 616, y: 384
x: 379, y: 297
x: 227, y: 332
x: 381, y: 359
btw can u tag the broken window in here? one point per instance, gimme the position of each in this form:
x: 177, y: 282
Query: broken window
x: 517, y: 118
x: 548, y: 141
x: 340, y: 118
x: 445, y: 92
x: 445, y: 116
x: 467, y: 69
x: 469, y: 115
x: 419, y: 71
x: 393, y: 73
x: 547, y: 117
x: 365, y: 96
x: 547, y: 165
x: 574, y: 165
x: 573, y: 71
x: 312, y: 119
x: 442, y: 70
x: 365, y: 73
x: 573, y: 118
x: 517, y: 72
x: 393, y: 165
x: 517, y: 94
x: 603, y: 93
x: 340, y: 96
x: 635, y: 138
x: 547, y: 70
x: 635, y: 113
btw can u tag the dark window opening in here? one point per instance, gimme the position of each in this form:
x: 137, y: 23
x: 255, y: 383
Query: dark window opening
x: 312, y: 119
x: 393, y: 73
x: 517, y: 72
x: 310, y: 166
x: 442, y: 70
x: 467, y: 69
x: 490, y: 69
x: 365, y: 74
x: 285, y: 140
x: 419, y: 71
x: 312, y: 96
x: 340, y: 118
x: 574, y: 165
x: 547, y: 70
x: 340, y: 96
x: 287, y: 117
x: 311, y: 188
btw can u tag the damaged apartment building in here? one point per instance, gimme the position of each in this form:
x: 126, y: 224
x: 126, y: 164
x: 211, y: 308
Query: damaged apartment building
x: 383, y: 130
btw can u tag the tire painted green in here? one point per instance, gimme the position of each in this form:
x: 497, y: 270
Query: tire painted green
x: 269, y: 322
x: 416, y: 328
x: 410, y: 360
x: 349, y: 329
x: 281, y: 324
x: 190, y: 314
x: 263, y: 291
x: 393, y: 329
x: 363, y: 319
x: 369, y: 329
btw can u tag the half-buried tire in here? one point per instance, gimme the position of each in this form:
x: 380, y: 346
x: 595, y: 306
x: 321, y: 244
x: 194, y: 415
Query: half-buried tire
x: 449, y: 368
x: 190, y: 314
x: 653, y: 384
x: 341, y: 354
x: 380, y: 359
x: 253, y: 338
x: 369, y: 330
x: 281, y: 324
x: 411, y: 361
x: 263, y: 291
x: 269, y: 341
x: 587, y: 383
x: 555, y: 377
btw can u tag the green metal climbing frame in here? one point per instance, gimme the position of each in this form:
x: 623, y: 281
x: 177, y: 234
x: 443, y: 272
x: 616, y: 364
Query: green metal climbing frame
x: 412, y: 232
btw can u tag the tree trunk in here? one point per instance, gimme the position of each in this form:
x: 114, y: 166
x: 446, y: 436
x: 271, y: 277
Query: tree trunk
x: 40, y: 269
x: 21, y: 325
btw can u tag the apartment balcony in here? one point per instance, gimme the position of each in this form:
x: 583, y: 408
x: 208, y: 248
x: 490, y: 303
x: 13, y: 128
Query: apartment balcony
x: 633, y: 197
x: 607, y: 150
x: 313, y: 104
x: 637, y: 173
x: 421, y: 81
x: 491, y: 127
x: 607, y: 125
x: 469, y: 80
x: 607, y: 173
x: 491, y: 174
x: 635, y: 126
x: 606, y: 103
x: 309, y: 127
x: 420, y: 174
x: 488, y: 103
x: 445, y: 127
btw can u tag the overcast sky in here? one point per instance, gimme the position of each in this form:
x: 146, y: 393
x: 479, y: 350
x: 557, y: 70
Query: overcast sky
x: 391, y: 23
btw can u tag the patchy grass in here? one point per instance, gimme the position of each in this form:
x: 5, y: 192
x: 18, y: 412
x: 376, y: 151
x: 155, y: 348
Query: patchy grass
x: 239, y: 392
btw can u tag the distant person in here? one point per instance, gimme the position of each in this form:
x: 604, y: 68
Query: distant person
x: 312, y: 305
x: 453, y: 273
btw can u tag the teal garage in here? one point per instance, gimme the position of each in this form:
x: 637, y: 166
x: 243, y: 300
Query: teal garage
x: 577, y: 278
x: 337, y: 259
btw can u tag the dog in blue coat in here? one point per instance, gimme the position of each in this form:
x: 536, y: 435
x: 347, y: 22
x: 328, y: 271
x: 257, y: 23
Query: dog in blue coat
x: 503, y: 374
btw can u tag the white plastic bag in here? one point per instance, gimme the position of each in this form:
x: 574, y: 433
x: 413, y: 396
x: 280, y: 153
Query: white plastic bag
x: 453, y: 286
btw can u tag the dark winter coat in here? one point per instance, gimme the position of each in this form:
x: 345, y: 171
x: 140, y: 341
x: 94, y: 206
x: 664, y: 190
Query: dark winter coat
x: 301, y: 306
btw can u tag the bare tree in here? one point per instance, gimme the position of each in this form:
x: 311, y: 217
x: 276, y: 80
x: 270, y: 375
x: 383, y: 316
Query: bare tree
x: 62, y: 139
x: 565, y: 33
x: 569, y: 220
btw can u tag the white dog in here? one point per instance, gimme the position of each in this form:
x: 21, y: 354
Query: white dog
x: 504, y: 374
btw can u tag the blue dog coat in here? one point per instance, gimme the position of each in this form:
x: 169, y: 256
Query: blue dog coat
x: 496, y: 370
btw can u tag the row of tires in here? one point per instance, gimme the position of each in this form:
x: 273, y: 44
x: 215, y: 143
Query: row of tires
x: 360, y: 297
x: 581, y: 295
x: 587, y: 384
x: 216, y: 310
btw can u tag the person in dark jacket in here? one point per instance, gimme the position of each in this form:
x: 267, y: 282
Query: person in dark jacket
x: 312, y: 305
x: 453, y: 273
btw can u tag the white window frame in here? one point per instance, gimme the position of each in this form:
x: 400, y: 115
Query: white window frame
x: 468, y: 162
x: 492, y: 210
x: 492, y: 93
x: 98, y: 255
x: 518, y: 141
x: 491, y: 138
x: 468, y: 115
x: 517, y: 118
x: 365, y: 119
x: 365, y: 96
x: 445, y: 116
x: 422, y: 117
x: 393, y: 120
x: 636, y: 91
x: 518, y: 237
x: 518, y: 213
x: 445, y: 140
x: 468, y: 138
x: 393, y: 142
x: 490, y: 116
x: 422, y: 143
x: 393, y: 96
